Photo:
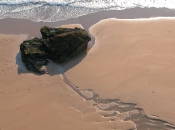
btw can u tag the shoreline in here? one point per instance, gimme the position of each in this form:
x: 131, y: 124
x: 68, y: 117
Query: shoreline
x: 18, y: 27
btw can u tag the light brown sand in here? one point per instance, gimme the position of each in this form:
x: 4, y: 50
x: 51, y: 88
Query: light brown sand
x: 133, y: 60
x: 32, y: 102
x: 113, y: 69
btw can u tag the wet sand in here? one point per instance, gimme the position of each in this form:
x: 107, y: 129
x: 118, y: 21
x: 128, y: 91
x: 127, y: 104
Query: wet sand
x: 131, y: 60
x: 30, y: 101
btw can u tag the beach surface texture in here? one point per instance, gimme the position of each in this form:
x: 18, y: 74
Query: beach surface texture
x: 132, y: 60
x: 124, y: 81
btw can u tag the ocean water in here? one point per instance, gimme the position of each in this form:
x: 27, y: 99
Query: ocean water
x: 56, y: 10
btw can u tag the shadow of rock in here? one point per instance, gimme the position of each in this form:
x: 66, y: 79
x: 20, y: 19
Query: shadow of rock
x: 52, y: 68
x: 73, y: 62
x: 21, y: 66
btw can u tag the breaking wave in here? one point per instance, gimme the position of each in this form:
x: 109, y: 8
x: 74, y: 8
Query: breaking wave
x: 56, y: 10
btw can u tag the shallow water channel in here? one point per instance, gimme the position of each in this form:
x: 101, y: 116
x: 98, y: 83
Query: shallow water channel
x: 125, y: 111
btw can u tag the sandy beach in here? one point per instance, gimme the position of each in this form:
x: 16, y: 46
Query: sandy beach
x: 131, y: 60
x: 29, y: 101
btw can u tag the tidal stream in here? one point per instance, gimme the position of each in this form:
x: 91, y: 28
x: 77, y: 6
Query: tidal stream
x: 125, y: 111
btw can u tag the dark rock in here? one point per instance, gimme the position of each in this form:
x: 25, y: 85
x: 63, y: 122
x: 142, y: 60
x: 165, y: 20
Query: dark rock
x: 64, y: 46
x: 33, y: 54
x: 58, y: 44
x: 48, y: 32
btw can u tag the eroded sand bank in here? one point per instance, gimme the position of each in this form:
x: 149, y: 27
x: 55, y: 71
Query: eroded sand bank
x: 133, y: 60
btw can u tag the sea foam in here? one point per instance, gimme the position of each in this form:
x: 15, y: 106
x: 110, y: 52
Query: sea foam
x: 56, y: 10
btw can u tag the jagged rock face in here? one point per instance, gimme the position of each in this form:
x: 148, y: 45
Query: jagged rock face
x: 58, y: 44
x: 48, y: 32
x: 64, y: 46
x: 33, y: 54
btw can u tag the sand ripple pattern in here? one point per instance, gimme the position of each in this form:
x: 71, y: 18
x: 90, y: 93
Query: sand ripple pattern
x: 56, y: 10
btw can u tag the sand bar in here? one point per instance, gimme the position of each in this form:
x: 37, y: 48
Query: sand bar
x: 132, y: 60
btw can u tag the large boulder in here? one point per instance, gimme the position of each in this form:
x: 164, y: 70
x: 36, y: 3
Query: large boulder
x: 57, y: 44
x: 64, y: 46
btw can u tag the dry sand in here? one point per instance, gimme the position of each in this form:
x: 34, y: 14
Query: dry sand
x: 33, y: 102
x: 133, y: 60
